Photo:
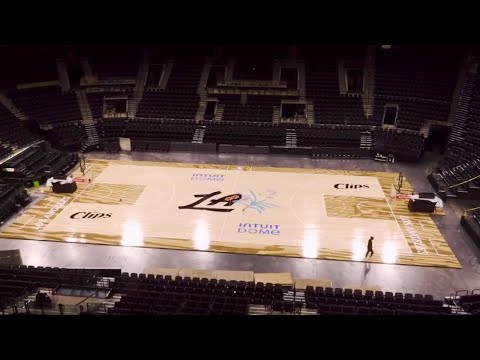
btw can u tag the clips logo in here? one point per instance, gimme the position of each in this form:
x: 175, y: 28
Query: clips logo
x: 89, y: 215
x: 350, y: 186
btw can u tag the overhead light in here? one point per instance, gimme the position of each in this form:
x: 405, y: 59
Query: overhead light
x: 386, y: 47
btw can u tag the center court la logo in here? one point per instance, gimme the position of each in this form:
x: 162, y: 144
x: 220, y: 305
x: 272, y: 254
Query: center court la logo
x: 251, y: 200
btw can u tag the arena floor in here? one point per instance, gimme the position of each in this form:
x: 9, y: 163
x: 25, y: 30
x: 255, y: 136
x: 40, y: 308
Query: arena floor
x: 312, y: 213
x: 438, y: 281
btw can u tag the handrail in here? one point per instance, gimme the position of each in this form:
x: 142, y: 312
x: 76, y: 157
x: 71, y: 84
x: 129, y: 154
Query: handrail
x: 472, y: 209
x: 464, y: 182
x: 458, y: 292
x: 88, y: 297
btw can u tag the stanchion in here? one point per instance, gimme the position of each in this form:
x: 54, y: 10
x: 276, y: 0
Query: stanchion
x: 83, y: 165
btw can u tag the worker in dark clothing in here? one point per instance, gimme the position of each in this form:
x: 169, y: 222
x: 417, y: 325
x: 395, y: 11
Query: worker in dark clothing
x: 369, y: 247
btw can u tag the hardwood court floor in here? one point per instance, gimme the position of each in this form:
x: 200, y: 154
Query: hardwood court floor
x: 313, y: 213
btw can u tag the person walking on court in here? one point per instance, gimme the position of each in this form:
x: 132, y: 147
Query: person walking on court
x: 369, y: 247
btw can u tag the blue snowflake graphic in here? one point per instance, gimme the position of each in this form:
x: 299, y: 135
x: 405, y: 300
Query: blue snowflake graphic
x: 251, y: 201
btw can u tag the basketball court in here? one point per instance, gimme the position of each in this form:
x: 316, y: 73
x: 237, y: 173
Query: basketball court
x: 312, y: 213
